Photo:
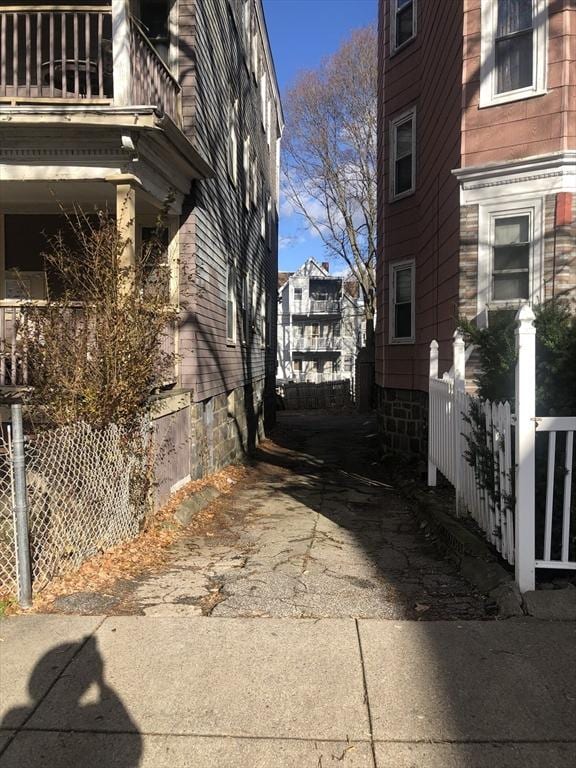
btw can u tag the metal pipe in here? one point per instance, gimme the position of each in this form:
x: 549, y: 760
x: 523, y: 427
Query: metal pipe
x: 21, y: 510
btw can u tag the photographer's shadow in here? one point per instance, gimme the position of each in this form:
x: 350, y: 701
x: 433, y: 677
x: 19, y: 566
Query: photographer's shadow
x: 86, y: 724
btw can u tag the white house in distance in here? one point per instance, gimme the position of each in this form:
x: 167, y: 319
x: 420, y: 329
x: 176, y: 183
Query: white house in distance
x: 320, y: 325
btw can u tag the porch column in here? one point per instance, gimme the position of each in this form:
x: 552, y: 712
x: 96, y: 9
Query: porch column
x: 126, y: 186
x: 122, y: 62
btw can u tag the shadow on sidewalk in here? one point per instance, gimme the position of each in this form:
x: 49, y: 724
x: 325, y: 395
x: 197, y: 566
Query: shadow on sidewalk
x: 79, y: 721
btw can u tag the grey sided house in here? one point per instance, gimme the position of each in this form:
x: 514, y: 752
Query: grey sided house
x: 129, y: 105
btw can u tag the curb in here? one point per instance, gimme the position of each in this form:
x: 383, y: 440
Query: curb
x: 187, y: 510
x: 475, y: 560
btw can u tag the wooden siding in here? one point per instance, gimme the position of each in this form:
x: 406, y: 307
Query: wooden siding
x: 216, y: 228
x: 425, y: 225
x: 533, y: 126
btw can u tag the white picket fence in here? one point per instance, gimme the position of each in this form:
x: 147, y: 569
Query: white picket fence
x: 509, y: 513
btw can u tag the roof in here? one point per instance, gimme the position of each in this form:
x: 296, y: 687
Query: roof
x: 283, y: 277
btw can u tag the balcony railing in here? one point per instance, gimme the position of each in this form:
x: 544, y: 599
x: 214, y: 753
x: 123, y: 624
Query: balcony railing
x: 67, y: 56
x: 317, y: 344
x: 316, y: 307
x: 14, y: 363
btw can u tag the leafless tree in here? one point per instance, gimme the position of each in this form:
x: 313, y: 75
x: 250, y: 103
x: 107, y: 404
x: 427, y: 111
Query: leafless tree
x: 330, y: 156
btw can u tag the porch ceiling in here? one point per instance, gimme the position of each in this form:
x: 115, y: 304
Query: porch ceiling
x: 37, y: 196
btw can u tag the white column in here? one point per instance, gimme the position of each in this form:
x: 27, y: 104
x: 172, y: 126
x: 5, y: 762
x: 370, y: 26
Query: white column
x: 121, y: 52
x: 525, y: 447
x: 459, y: 356
x: 432, y: 416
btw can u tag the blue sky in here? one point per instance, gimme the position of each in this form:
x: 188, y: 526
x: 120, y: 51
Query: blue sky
x: 302, y: 33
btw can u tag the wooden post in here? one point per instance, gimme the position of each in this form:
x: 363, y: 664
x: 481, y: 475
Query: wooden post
x: 459, y: 358
x: 126, y: 224
x: 525, y: 449
x: 122, y: 61
x: 432, y: 415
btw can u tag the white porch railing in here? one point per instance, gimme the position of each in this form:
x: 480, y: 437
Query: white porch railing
x: 509, y: 511
x: 14, y: 364
x: 317, y: 344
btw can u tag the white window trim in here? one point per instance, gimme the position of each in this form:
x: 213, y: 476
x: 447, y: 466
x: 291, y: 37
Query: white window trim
x: 486, y: 217
x: 230, y: 274
x: 394, y: 267
x: 233, y: 149
x: 247, y: 171
x: 394, y: 123
x: 393, y: 11
x: 488, y: 74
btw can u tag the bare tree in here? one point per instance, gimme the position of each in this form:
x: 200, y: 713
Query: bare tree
x: 330, y: 156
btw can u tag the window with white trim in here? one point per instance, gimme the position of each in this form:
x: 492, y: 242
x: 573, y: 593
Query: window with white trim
x: 513, y: 50
x: 230, y: 306
x: 509, y: 253
x: 402, y: 316
x: 402, y: 23
x: 233, y: 143
x: 247, y: 171
x: 403, y: 154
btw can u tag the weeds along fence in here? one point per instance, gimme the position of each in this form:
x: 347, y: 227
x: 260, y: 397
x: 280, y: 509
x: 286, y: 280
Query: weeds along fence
x: 512, y: 472
x: 83, y: 492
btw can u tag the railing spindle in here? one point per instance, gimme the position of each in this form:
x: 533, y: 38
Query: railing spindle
x: 15, y: 73
x: 39, y: 53
x: 100, y: 55
x: 567, y: 496
x: 27, y: 64
x: 88, y: 61
x: 75, y: 34
x: 51, y: 52
x: 549, y: 495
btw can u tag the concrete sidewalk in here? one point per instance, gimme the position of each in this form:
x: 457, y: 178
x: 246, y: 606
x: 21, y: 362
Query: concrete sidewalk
x: 284, y: 693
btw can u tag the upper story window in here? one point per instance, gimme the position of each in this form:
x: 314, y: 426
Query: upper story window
x: 230, y: 306
x: 155, y: 17
x: 403, y: 22
x: 402, y: 289
x: 513, y: 50
x: 233, y: 142
x: 403, y: 155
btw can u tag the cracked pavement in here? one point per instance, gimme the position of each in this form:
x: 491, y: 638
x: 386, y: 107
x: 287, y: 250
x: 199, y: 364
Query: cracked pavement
x: 312, y: 533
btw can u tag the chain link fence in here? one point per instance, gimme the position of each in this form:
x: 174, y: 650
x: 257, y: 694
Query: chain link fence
x: 84, y: 491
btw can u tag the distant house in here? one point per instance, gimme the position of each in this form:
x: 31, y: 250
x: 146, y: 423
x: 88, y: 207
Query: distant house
x: 477, y: 179
x: 320, y: 325
x: 127, y: 105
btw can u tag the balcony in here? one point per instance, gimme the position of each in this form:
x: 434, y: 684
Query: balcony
x: 316, y: 344
x: 81, y: 55
x: 317, y: 307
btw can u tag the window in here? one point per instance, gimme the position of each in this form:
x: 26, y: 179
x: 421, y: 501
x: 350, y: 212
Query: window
x: 264, y: 102
x: 154, y: 16
x: 315, y: 330
x: 513, y: 50
x: 233, y: 142
x: 337, y: 330
x: 403, y: 155
x: 246, y: 168
x: 510, y: 253
x: 402, y: 23
x: 263, y: 210
x: 336, y: 365
x: 297, y: 366
x: 254, y: 184
x: 245, y: 310
x: 319, y: 365
x: 230, y: 306
x: 300, y: 331
x: 348, y: 363
x: 511, y: 258
x: 402, y: 302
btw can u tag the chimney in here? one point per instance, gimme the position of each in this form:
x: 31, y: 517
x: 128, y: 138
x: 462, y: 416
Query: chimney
x: 326, y: 266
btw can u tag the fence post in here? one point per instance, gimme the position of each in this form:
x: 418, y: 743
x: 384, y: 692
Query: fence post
x: 459, y: 361
x: 525, y: 448
x: 21, y: 510
x: 432, y: 416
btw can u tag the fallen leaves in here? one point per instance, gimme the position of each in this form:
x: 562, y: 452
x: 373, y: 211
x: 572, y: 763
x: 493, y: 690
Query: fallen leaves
x: 149, y: 550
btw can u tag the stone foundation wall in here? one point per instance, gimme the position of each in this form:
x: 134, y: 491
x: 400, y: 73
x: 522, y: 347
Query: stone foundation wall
x: 226, y: 428
x: 403, y: 420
